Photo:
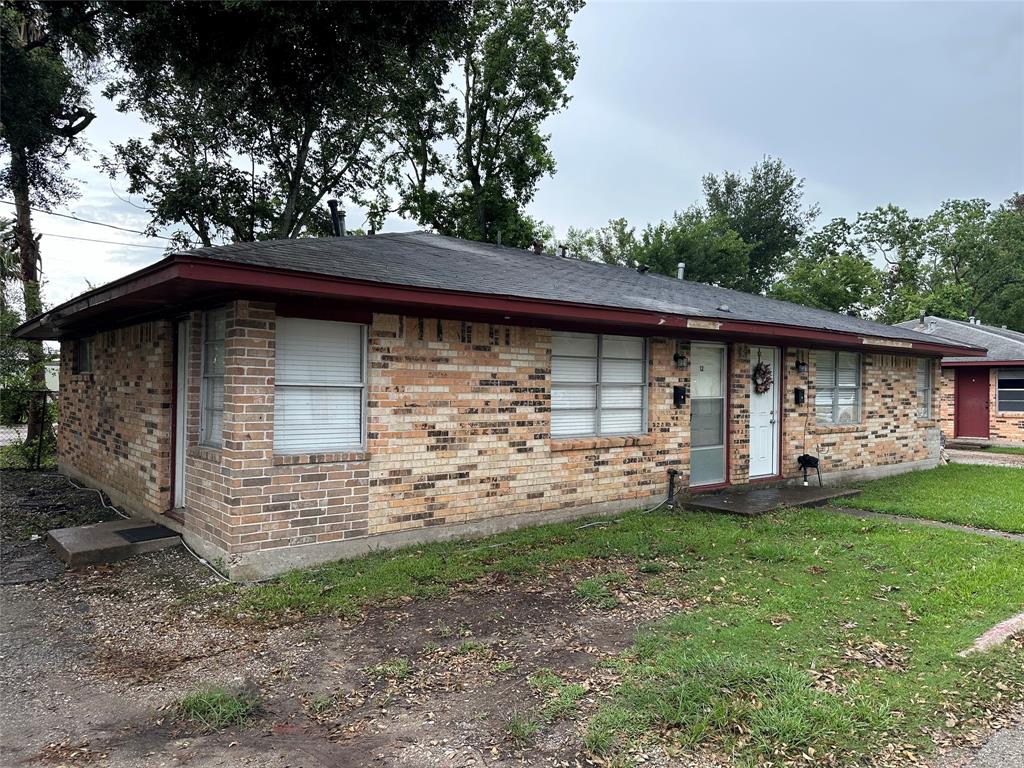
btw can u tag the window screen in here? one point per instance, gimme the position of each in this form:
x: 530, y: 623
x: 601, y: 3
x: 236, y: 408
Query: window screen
x: 597, y: 385
x: 1010, y: 391
x: 837, y: 387
x: 84, y: 355
x: 924, y: 388
x: 212, y: 392
x: 320, y: 382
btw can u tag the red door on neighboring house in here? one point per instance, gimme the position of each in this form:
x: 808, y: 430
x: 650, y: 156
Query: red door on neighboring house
x: 971, y: 402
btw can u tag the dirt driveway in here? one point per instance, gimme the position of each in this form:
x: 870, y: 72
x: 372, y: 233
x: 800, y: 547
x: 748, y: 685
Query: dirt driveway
x: 92, y: 662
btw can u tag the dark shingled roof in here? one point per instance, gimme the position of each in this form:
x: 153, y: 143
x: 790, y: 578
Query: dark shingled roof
x: 425, y: 260
x: 1002, y: 344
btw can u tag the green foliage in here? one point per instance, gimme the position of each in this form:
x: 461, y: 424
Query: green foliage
x: 47, y: 55
x: 472, y: 151
x: 830, y: 272
x: 981, y: 496
x: 215, y: 709
x: 260, y: 110
x: 394, y: 669
x: 765, y: 209
x: 736, y: 238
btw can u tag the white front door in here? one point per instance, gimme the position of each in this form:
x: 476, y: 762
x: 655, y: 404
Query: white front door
x: 180, y: 412
x: 764, y: 415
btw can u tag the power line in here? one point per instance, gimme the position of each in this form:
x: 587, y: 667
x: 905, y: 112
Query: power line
x: 107, y: 242
x: 88, y: 221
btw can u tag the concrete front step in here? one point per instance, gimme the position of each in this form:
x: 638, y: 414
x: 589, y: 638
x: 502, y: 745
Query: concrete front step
x: 758, y: 501
x: 109, y: 541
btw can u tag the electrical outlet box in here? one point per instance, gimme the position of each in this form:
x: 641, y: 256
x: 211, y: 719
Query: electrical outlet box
x: 679, y: 396
x: 799, y: 395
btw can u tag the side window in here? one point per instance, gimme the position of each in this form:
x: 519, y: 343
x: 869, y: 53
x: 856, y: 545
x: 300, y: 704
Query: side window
x: 320, y: 383
x: 837, y: 387
x: 212, y: 392
x: 84, y: 355
x: 924, y: 388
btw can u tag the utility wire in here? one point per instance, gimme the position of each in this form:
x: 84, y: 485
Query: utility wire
x: 88, y: 221
x: 107, y: 242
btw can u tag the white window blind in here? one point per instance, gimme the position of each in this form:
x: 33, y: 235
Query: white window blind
x: 598, y: 385
x: 924, y: 388
x: 212, y: 392
x: 320, y: 383
x: 837, y: 387
x: 1010, y: 390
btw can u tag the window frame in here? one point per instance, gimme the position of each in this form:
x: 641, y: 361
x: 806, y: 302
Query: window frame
x: 1016, y: 373
x: 363, y: 386
x: 205, y: 376
x: 597, y: 386
x: 88, y: 344
x: 924, y: 409
x: 835, y: 389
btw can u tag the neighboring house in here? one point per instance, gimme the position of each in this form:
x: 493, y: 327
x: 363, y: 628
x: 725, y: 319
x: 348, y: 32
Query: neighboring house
x: 982, y: 398
x: 289, y: 402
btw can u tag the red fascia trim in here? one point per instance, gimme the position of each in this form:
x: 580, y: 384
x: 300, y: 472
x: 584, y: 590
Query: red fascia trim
x: 984, y: 364
x: 516, y: 309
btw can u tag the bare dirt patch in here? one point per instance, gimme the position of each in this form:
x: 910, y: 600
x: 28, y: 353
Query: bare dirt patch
x: 94, y: 662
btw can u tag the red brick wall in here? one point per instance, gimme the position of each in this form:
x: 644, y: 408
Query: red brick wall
x: 457, y: 432
x: 1006, y: 428
x: 114, y: 424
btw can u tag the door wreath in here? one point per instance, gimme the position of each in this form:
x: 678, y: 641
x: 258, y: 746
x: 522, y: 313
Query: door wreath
x: 762, y: 377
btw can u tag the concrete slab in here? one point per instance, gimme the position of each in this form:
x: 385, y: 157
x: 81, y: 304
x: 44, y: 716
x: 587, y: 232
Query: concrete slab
x: 759, y: 501
x: 109, y: 541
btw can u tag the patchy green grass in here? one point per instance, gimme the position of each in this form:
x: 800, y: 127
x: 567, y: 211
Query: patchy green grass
x: 393, y: 669
x: 967, y: 494
x: 216, y: 709
x: 809, y: 630
x: 1007, y: 449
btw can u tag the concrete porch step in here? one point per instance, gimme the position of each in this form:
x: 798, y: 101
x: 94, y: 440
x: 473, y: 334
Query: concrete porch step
x: 759, y: 501
x: 109, y: 541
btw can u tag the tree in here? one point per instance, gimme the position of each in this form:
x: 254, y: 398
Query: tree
x: 766, y: 210
x: 47, y: 57
x: 261, y: 110
x: 615, y: 243
x: 710, y: 249
x: 890, y: 235
x: 472, y: 152
x: 831, y: 272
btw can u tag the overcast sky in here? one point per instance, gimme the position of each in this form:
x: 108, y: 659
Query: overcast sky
x: 873, y: 103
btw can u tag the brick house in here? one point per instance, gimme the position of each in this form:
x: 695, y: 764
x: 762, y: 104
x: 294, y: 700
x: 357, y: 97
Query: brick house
x: 289, y: 402
x: 982, y: 398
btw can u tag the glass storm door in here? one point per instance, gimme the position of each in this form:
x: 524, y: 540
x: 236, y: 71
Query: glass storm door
x: 707, y: 414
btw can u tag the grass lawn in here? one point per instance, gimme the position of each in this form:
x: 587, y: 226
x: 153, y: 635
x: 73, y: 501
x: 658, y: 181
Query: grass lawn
x: 968, y: 494
x: 808, y: 635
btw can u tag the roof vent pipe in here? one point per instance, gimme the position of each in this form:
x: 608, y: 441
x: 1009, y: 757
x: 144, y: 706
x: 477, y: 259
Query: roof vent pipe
x: 538, y: 246
x: 337, y: 218
x: 680, y: 270
x: 972, y: 320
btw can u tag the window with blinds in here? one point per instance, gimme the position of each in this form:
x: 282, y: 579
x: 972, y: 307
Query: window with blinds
x: 924, y: 388
x: 837, y: 387
x: 320, y: 383
x: 211, y: 411
x: 1010, y: 390
x: 598, y: 385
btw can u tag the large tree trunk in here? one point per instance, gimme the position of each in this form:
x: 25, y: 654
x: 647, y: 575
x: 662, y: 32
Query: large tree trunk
x: 28, y: 250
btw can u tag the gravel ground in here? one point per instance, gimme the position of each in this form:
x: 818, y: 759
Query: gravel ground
x: 957, y: 456
x: 92, y: 663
